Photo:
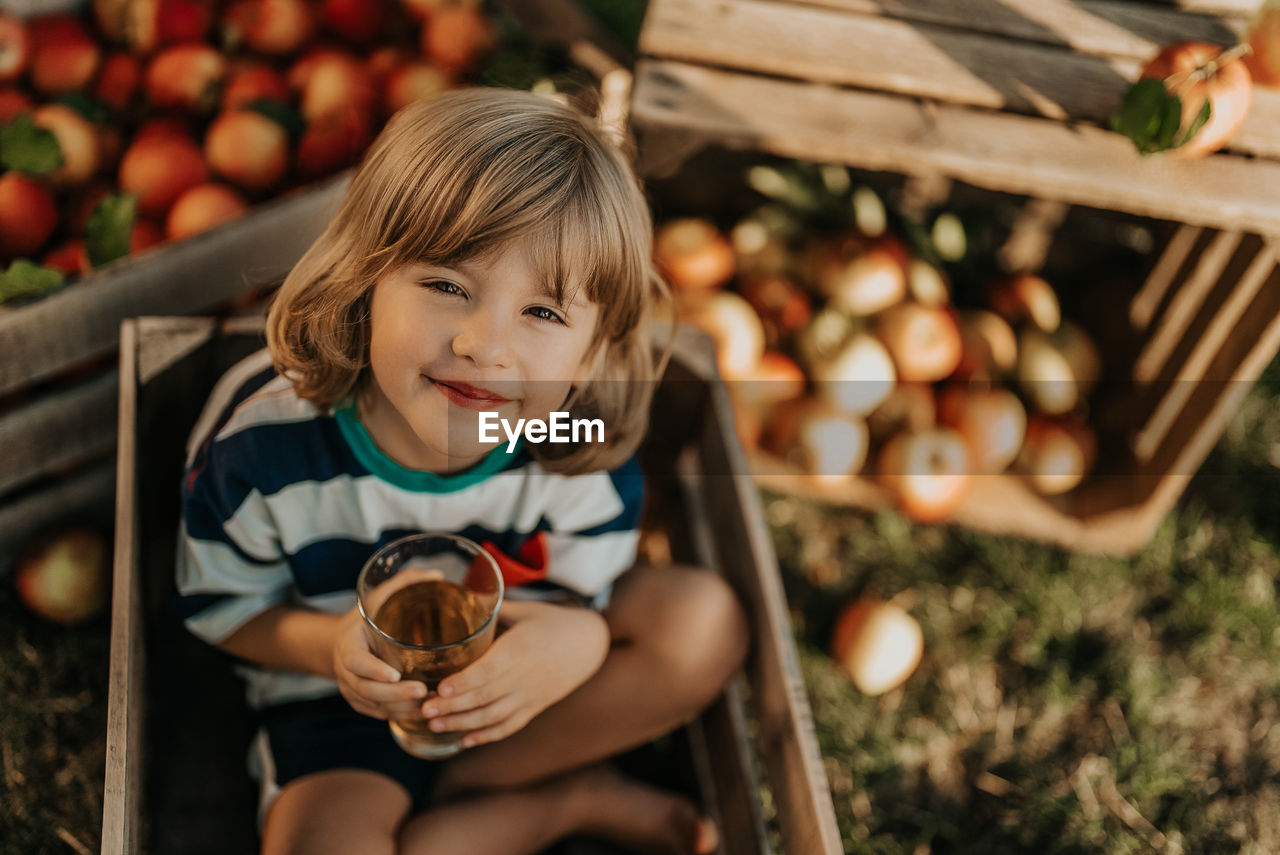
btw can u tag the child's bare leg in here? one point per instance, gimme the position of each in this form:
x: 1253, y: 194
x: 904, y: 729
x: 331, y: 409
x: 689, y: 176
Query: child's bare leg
x: 526, y: 820
x: 340, y: 812
x: 679, y: 634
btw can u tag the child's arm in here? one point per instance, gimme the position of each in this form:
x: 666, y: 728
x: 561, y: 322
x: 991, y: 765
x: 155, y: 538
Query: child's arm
x: 331, y: 646
x: 545, y: 653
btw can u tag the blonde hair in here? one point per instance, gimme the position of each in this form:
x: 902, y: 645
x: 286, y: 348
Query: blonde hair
x: 456, y: 177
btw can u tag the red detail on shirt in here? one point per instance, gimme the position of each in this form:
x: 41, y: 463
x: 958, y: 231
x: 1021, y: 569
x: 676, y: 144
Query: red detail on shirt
x: 529, y: 565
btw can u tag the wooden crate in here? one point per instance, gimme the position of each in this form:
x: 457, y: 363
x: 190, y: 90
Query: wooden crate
x: 177, y: 733
x: 1010, y: 97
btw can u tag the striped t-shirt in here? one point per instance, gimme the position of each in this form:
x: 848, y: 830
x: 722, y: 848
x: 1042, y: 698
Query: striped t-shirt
x: 284, y: 504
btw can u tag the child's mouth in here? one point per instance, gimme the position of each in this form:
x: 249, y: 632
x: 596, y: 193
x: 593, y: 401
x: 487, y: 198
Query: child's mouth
x: 468, y: 396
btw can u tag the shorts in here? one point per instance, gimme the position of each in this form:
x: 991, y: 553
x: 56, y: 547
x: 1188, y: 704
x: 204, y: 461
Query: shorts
x: 303, y: 737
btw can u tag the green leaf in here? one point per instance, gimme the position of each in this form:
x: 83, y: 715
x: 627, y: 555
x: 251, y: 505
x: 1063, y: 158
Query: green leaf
x: 109, y: 229
x: 27, y: 148
x: 1149, y: 115
x: 24, y: 279
x: 282, y: 114
x: 87, y: 106
x: 1201, y: 118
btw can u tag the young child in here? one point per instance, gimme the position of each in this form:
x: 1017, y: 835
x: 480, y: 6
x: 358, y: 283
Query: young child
x: 491, y: 254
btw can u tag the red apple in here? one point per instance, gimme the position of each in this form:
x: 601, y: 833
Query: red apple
x: 923, y: 340
x: 857, y: 377
x: 66, y: 578
x: 27, y: 214
x: 1263, y: 61
x: 186, y: 76
x: 64, y: 57
x: 13, y: 102
x: 909, y: 407
x: 409, y: 82
x: 78, y: 141
x: 1057, y: 371
x: 253, y: 81
x: 71, y: 257
x: 775, y: 379
x: 779, y: 302
x: 357, y: 20
x: 269, y: 26
x: 334, y: 140
x: 989, y: 347
x: 828, y: 444
x: 248, y: 149
x: 693, y: 254
x: 15, y: 47
x: 993, y: 423
x: 1196, y: 72
x: 1026, y: 296
x: 118, y: 80
x: 164, y: 126
x: 144, y: 235
x: 869, y: 282
x: 203, y: 207
x: 877, y: 644
x: 734, y: 327
x: 145, y: 25
x: 928, y: 471
x: 158, y: 168
x: 335, y: 81
x: 1056, y: 455
x: 458, y: 38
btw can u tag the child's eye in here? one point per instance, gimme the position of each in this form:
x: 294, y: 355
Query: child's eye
x: 443, y: 286
x: 542, y: 313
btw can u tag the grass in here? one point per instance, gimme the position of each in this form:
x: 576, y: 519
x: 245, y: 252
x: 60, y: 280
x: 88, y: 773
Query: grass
x: 1066, y: 703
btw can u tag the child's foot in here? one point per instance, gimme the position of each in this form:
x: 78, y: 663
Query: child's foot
x: 641, y: 817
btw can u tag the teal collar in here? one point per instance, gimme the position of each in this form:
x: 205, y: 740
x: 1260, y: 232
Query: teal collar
x: 378, y: 463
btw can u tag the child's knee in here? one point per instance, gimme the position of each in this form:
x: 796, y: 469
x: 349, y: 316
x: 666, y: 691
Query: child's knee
x: 702, y: 633
x: 336, y: 812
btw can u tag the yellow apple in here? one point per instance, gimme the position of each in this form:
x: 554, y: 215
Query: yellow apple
x: 877, y: 644
x: 993, y: 423
x: 65, y: 578
x: 928, y: 471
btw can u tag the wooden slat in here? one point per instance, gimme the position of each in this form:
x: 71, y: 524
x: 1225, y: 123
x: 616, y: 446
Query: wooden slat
x: 1176, y: 393
x: 1186, y: 302
x: 789, y: 749
x: 87, y: 493
x: 1102, y: 27
x: 1015, y: 154
x: 120, y: 808
x: 58, y: 431
x: 825, y: 46
x: 1152, y: 293
x: 198, y: 274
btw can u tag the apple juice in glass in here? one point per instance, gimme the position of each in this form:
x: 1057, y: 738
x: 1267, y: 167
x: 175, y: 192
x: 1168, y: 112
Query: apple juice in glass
x: 429, y: 603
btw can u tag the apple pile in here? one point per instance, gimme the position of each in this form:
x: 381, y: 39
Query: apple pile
x: 144, y: 121
x: 846, y: 356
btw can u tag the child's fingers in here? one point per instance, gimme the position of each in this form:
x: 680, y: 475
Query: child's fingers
x: 478, y: 674
x: 499, y: 731
x: 475, y: 718
x: 364, y: 664
x: 480, y: 696
x: 375, y: 691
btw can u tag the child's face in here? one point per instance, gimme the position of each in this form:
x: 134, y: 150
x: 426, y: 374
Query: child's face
x: 450, y: 342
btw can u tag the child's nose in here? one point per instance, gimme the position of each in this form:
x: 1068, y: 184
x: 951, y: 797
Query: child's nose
x: 485, y: 340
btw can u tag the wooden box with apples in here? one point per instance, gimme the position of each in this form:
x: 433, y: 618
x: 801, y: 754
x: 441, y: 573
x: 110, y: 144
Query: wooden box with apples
x: 912, y: 360
x: 176, y: 728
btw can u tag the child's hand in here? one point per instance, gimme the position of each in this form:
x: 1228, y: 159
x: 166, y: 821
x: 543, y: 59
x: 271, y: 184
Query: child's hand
x: 371, y: 686
x: 545, y: 653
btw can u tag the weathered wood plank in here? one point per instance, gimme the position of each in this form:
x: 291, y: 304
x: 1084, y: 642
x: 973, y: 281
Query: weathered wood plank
x: 789, y: 749
x: 123, y: 783
x: 1101, y: 27
x: 828, y: 46
x: 58, y: 431
x: 198, y: 274
x: 1014, y: 154
x: 86, y: 494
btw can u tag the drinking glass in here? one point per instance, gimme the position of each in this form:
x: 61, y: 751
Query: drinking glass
x: 429, y: 603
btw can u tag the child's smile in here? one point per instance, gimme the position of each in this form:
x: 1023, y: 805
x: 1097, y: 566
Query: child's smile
x: 447, y: 343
